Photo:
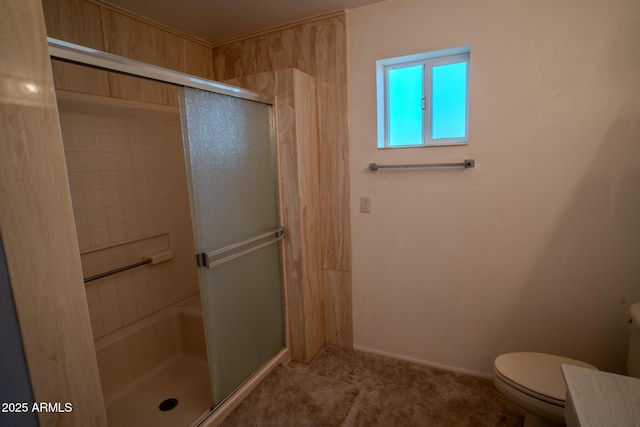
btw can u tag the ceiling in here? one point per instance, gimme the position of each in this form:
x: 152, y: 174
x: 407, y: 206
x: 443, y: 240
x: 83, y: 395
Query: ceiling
x: 215, y: 21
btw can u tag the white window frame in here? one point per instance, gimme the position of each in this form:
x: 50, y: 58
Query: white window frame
x: 428, y: 60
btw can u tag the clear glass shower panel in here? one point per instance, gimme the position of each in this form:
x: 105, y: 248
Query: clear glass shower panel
x: 234, y: 196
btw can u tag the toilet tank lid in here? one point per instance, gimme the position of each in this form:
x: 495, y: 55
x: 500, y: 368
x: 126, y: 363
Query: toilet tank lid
x: 634, y: 312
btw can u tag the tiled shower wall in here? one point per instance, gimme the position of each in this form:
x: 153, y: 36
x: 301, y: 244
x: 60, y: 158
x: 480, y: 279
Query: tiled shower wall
x: 128, y: 186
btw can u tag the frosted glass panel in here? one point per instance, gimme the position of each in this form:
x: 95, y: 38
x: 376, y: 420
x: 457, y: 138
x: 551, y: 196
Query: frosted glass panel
x: 232, y: 158
x: 405, y: 106
x: 233, y: 190
x: 248, y: 329
x: 449, y: 101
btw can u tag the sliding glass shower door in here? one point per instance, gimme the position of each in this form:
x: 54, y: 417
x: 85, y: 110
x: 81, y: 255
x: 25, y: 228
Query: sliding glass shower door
x: 230, y: 151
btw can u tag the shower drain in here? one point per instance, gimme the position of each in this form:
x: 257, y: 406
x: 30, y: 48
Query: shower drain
x: 168, y: 404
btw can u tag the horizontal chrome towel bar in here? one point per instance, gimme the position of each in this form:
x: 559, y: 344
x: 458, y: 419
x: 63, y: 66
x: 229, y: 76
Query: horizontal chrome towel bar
x: 117, y: 270
x: 149, y: 258
x: 206, y: 259
x: 469, y: 163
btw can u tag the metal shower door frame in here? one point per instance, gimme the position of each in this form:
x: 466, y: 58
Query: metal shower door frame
x: 82, y: 55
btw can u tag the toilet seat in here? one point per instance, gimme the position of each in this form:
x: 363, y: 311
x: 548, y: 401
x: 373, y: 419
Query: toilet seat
x: 536, y: 374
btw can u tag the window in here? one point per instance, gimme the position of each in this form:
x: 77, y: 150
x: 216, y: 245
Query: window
x: 422, y: 99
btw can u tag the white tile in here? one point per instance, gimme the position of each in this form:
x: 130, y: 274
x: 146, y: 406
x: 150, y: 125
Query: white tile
x: 125, y: 161
x: 129, y: 315
x: 156, y: 285
x: 72, y: 161
x: 143, y: 194
x: 86, y: 142
x: 134, y: 229
x: 76, y: 183
x: 123, y: 142
x: 148, y: 228
x: 143, y: 308
x: 67, y: 120
x: 95, y: 311
x: 97, y: 328
x: 126, y: 178
x: 115, y: 215
x: 139, y: 160
x: 80, y: 219
x: 87, y: 161
x: 107, y: 161
x: 111, y: 197
x: 110, y: 179
x: 99, y: 236
x: 141, y: 292
x: 93, y: 200
x: 126, y: 299
x: 140, y: 278
x: 92, y: 181
x: 92, y: 294
x: 130, y: 212
x: 128, y: 196
x: 107, y: 125
x: 158, y: 302
x: 96, y: 218
x: 109, y: 306
x: 69, y: 140
x: 106, y: 142
x: 124, y: 283
x: 84, y: 123
x: 112, y: 323
x: 77, y: 199
x: 107, y: 289
x: 144, y: 210
x: 84, y: 240
x: 117, y: 233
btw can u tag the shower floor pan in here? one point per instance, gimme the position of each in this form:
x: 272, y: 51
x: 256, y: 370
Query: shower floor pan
x: 146, y: 365
x: 185, y: 379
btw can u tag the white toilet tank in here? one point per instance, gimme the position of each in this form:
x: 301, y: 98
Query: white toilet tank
x: 633, y: 358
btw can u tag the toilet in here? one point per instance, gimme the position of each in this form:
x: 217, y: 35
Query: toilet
x: 534, y: 380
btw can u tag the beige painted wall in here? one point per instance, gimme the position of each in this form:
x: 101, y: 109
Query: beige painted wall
x: 537, y: 247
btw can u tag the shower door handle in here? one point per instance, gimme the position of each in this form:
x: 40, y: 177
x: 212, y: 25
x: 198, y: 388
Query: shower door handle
x: 211, y: 259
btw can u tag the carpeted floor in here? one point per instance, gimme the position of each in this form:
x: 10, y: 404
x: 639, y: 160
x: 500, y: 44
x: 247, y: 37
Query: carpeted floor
x: 343, y: 387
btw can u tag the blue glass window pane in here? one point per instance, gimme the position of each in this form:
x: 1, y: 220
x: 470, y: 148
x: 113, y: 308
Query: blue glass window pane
x: 449, y: 101
x: 405, y: 105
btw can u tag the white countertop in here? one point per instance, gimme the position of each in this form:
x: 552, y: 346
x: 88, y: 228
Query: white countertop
x: 600, y: 399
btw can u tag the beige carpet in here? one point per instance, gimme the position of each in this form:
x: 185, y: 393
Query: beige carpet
x: 344, y: 387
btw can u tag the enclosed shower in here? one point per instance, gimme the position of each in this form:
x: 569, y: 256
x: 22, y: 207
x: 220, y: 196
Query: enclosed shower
x: 175, y: 190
